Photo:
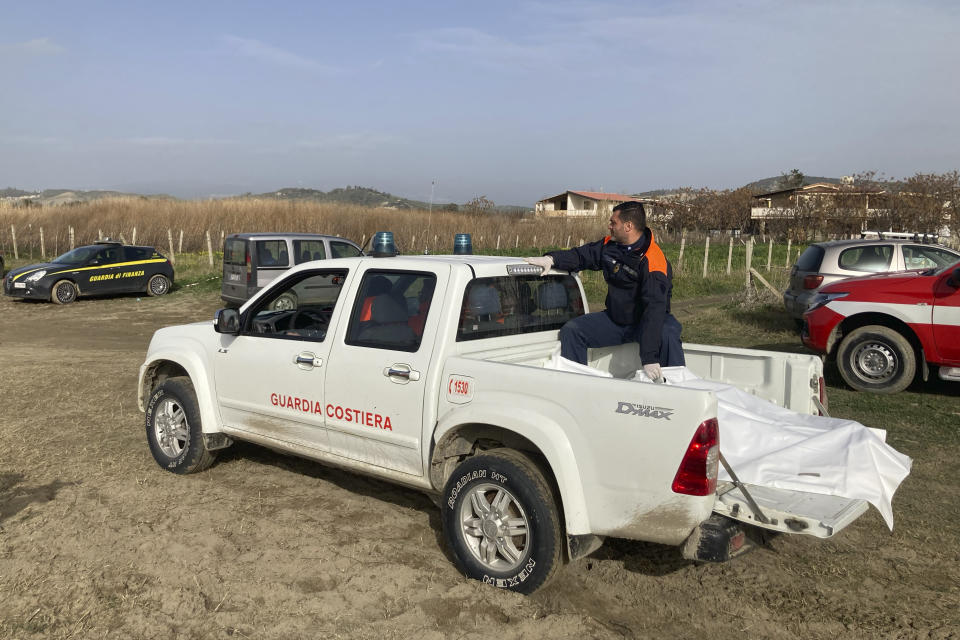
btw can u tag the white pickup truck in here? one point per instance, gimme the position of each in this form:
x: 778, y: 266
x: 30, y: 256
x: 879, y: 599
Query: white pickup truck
x: 429, y: 372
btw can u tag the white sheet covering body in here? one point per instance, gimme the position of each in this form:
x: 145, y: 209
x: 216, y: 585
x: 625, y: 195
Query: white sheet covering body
x: 776, y: 447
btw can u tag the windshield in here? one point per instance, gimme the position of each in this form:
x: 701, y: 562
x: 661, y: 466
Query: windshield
x: 80, y: 255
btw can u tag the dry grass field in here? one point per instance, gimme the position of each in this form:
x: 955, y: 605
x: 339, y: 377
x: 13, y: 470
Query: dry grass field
x: 96, y: 541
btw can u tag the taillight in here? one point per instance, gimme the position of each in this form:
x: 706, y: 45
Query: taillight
x: 812, y: 282
x: 249, y: 266
x: 697, y: 475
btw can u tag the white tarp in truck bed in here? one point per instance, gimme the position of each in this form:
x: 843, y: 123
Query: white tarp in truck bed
x: 769, y: 446
x: 775, y: 447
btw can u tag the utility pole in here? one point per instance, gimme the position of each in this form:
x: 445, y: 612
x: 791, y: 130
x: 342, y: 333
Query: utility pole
x: 432, y: 184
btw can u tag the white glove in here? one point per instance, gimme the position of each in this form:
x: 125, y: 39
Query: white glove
x: 653, y: 371
x: 544, y: 262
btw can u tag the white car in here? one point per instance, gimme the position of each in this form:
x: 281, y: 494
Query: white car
x: 429, y: 372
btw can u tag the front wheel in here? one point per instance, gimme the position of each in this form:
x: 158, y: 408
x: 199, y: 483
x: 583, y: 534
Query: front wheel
x: 158, y: 285
x: 501, y: 520
x: 63, y: 292
x: 877, y: 359
x: 174, y: 431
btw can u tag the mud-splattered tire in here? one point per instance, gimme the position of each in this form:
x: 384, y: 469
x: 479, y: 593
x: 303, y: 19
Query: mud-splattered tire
x: 174, y: 430
x: 877, y: 359
x: 158, y: 285
x: 63, y: 292
x: 501, y: 521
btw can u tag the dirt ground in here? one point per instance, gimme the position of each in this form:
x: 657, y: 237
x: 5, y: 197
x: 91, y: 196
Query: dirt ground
x: 97, y: 541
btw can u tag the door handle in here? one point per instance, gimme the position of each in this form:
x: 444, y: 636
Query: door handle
x: 401, y: 371
x: 307, y: 360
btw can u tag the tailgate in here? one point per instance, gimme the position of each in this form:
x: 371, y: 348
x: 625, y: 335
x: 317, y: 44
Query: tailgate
x: 788, y: 510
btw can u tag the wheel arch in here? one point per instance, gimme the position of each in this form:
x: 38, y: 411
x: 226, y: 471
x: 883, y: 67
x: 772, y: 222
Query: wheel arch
x: 851, y: 323
x: 473, y: 430
x: 159, y: 367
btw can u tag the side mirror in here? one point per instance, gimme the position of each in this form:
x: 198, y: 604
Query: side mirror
x: 227, y: 321
x: 954, y: 279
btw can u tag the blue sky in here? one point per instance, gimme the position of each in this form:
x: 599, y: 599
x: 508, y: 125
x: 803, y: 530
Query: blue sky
x: 512, y: 100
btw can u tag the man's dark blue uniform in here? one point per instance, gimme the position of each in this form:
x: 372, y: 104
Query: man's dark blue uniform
x: 639, y: 279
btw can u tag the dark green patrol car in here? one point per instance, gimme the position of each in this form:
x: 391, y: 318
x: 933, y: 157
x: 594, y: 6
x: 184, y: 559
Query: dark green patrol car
x: 102, y: 268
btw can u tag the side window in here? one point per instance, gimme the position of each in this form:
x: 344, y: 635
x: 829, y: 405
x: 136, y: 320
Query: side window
x: 921, y: 257
x: 299, y: 309
x: 272, y: 253
x: 514, y: 305
x: 109, y: 255
x: 343, y: 250
x: 391, y: 310
x: 307, y: 250
x: 131, y: 254
x: 870, y: 258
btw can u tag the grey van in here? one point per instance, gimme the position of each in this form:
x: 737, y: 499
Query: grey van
x: 253, y: 260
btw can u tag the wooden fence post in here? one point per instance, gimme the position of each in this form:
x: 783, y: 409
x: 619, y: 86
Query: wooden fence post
x: 13, y: 236
x: 173, y: 257
x: 769, y: 253
x: 516, y: 242
x: 789, y: 242
x: 71, y: 238
x: 209, y: 247
x: 180, y: 244
x: 568, y: 242
x: 749, y: 259
x: 498, y: 242
x: 43, y: 249
x: 706, y: 254
x: 133, y: 239
x: 730, y: 255
x: 683, y: 244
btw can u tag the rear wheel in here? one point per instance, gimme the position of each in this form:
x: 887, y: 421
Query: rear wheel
x: 63, y: 292
x: 502, y: 522
x: 174, y: 430
x: 158, y: 285
x: 877, y: 359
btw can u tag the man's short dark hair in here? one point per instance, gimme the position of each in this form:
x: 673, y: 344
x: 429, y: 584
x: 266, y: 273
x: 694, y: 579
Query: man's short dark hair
x: 632, y: 212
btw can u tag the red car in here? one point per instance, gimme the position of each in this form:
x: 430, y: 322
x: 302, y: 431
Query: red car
x: 882, y: 327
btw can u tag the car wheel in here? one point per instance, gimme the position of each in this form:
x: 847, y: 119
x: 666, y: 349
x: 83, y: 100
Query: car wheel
x: 877, y: 359
x: 285, y: 302
x: 158, y: 285
x: 501, y: 520
x: 174, y: 431
x: 63, y: 292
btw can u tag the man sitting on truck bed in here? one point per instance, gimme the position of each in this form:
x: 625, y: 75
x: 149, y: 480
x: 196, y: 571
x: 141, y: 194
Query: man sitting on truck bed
x: 639, y: 280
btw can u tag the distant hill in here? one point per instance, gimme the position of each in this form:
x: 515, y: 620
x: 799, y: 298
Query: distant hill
x: 360, y: 196
x: 54, y: 197
x: 769, y: 185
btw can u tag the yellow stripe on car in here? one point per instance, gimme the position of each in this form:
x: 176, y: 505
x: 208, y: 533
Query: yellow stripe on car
x: 101, y: 266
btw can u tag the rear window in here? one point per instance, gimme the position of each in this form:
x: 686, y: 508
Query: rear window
x: 307, y: 250
x: 235, y: 251
x: 871, y: 258
x: 272, y: 253
x: 506, y: 306
x: 810, y: 259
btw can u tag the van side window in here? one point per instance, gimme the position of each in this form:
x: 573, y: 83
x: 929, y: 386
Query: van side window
x: 272, y: 253
x: 307, y: 250
x: 343, y: 250
x: 300, y: 309
x: 391, y: 310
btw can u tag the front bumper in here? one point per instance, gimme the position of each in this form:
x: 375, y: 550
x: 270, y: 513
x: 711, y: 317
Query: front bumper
x: 819, y: 329
x: 30, y: 290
